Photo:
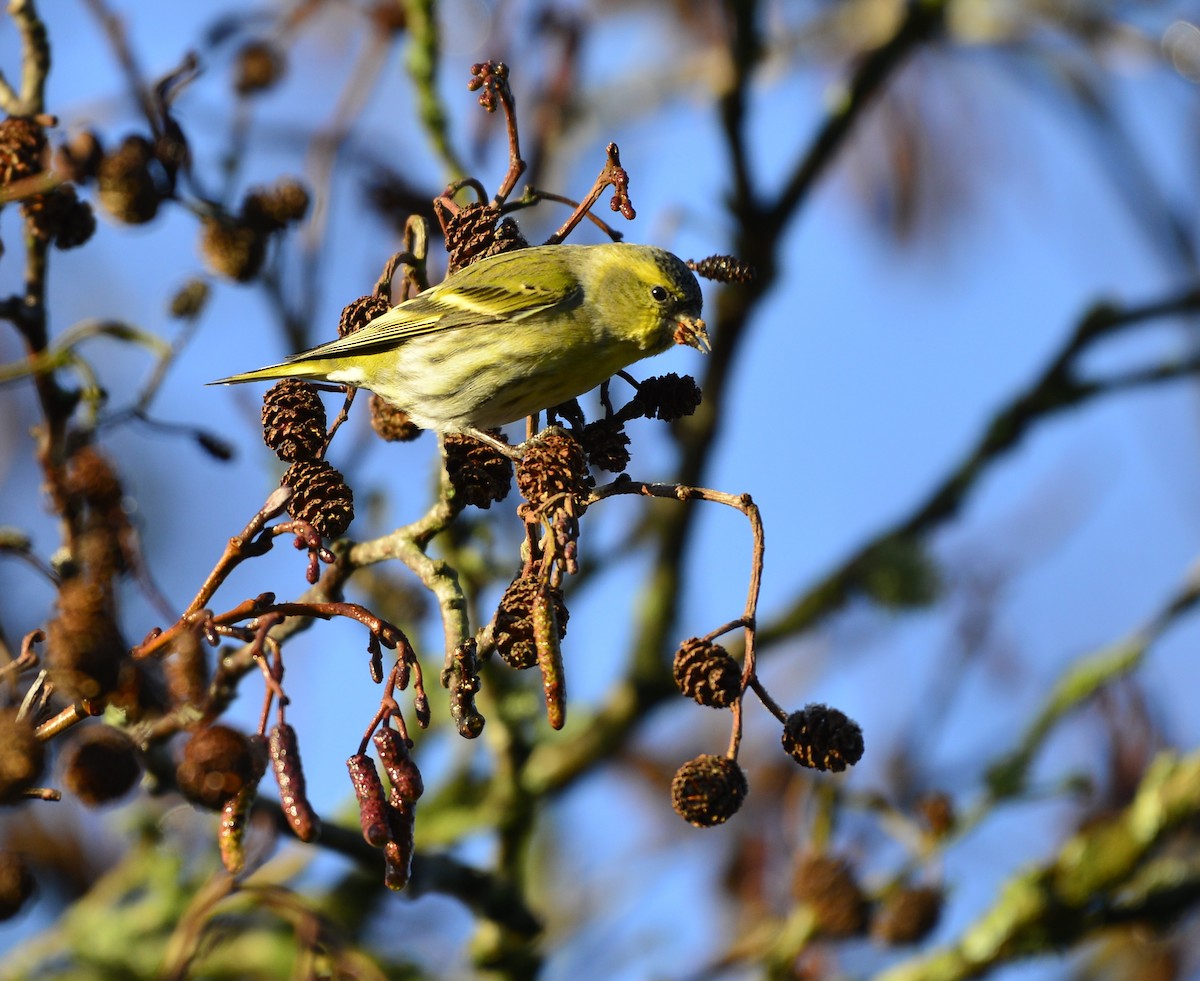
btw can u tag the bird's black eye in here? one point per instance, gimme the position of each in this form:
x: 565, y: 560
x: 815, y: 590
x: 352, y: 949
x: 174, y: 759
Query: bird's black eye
x: 659, y: 293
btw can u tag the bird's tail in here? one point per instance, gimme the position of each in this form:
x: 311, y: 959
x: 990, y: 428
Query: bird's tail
x: 286, y: 369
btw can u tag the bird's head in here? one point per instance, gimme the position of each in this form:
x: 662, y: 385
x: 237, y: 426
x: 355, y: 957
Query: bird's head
x: 665, y: 291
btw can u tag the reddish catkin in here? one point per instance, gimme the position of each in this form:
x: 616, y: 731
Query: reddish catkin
x: 398, y: 853
x: 285, y: 761
x: 549, y: 657
x: 407, y: 784
x: 231, y: 838
x: 372, y: 805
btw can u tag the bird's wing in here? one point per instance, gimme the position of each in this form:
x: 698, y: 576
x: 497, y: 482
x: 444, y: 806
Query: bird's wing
x: 438, y: 309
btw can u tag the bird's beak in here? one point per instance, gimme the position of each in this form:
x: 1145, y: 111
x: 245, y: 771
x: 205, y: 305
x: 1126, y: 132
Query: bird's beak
x: 692, y: 332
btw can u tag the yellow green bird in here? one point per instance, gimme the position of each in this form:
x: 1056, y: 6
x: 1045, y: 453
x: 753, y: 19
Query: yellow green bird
x: 512, y: 334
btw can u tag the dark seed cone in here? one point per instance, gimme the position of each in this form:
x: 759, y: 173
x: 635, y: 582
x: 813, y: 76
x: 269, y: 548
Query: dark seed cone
x: 22, y: 148
x: 98, y: 547
x: 84, y: 646
x: 668, y: 397
x: 186, y: 670
x: 706, y: 672
x: 127, y: 187
x: 390, y: 423
x: 476, y: 233
x: 78, y: 159
x: 16, y: 884
x: 513, y: 633
x: 217, y: 763
x: 232, y: 248
x: 321, y: 497
x: 91, y: 477
x: 293, y: 419
x: 907, y: 916
x: 258, y: 66
x: 59, y: 216
x: 708, y: 790
x: 606, y: 445
x: 827, y: 885
x: 479, y: 474
x: 22, y: 757
x: 272, y: 208
x: 822, y: 738
x: 938, y: 811
x: 555, y: 465
x: 140, y: 695
x: 723, y: 269
x: 358, y: 313
x: 100, y: 765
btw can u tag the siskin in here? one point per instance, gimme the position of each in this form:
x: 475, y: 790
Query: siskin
x: 512, y: 334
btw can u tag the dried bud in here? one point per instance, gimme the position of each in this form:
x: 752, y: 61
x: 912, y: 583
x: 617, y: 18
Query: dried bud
x: 490, y: 79
x: 606, y: 445
x: 554, y: 467
x: 479, y: 474
x: 22, y: 757
x: 907, y: 916
x: 358, y: 313
x: 705, y: 672
x: 667, y: 397
x: 390, y: 423
x: 293, y: 419
x: 708, y: 790
x: 128, y: 190
x: 217, y: 763
x: 16, y: 884
x: 100, y: 765
x: 822, y: 738
x: 232, y: 247
x: 388, y: 17
x: 723, y: 269
x: 828, y: 887
x: 513, y: 632
x: 78, y: 159
x: 189, y: 300
x: 22, y: 148
x: 285, y: 761
x: 476, y: 232
x: 372, y: 805
x: 257, y: 67
x: 320, y: 496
